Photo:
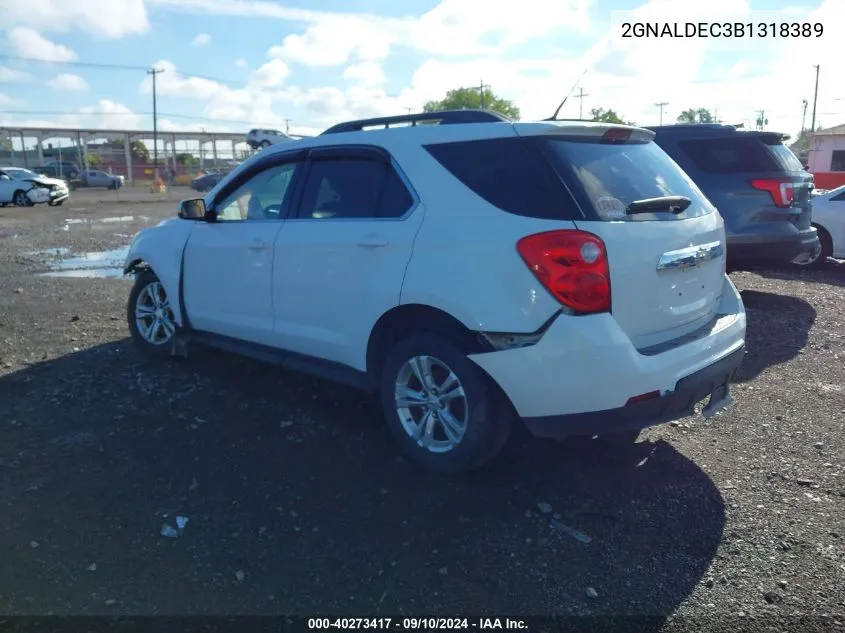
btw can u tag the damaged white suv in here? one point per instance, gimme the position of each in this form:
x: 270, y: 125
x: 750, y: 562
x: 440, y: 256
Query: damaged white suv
x: 24, y: 188
x: 472, y: 273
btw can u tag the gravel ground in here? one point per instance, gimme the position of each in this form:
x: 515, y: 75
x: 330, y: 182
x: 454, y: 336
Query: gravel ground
x: 298, y: 504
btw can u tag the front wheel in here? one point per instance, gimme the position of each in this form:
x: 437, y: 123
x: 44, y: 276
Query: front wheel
x: 441, y: 409
x: 149, y: 313
x: 20, y: 199
x: 265, y: 144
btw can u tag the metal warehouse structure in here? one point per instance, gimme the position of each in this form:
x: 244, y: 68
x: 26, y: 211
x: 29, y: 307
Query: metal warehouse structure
x: 32, y: 152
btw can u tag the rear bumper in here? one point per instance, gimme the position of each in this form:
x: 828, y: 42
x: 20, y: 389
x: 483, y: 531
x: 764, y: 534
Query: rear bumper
x: 679, y: 403
x: 579, y: 377
x: 779, y: 251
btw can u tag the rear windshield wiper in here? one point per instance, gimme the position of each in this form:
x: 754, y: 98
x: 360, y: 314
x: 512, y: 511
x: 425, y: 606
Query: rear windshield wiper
x: 672, y: 204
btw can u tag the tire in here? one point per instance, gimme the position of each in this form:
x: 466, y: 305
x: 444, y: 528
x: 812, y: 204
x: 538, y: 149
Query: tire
x: 825, y: 252
x: 19, y: 199
x: 265, y: 144
x: 487, y: 417
x: 146, y: 287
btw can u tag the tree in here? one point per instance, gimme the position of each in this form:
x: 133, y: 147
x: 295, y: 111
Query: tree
x: 470, y: 98
x: 700, y: 115
x: 607, y: 116
x: 95, y: 161
x: 188, y: 160
x: 137, y: 148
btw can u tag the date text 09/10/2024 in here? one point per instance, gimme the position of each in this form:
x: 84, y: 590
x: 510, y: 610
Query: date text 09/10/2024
x: 786, y: 30
x: 417, y: 624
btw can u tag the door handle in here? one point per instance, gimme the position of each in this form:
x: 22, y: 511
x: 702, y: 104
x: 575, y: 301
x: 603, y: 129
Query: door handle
x: 372, y: 241
x: 258, y: 246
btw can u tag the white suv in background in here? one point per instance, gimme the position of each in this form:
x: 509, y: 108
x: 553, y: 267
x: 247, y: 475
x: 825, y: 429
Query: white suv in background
x: 471, y: 273
x: 265, y: 138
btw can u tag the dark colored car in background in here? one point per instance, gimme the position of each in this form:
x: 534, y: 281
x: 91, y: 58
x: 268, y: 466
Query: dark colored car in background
x: 64, y: 169
x: 758, y: 185
x: 206, y: 182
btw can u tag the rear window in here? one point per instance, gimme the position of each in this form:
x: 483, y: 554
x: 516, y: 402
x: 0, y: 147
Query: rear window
x: 607, y: 177
x: 734, y: 155
x: 785, y: 157
x: 510, y: 173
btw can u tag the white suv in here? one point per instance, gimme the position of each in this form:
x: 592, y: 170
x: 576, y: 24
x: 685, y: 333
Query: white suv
x: 471, y: 273
x: 265, y: 138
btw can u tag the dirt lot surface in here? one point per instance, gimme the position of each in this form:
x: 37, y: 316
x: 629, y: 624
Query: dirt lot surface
x: 298, y: 504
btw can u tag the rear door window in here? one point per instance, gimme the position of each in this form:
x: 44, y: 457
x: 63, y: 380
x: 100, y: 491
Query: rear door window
x: 607, y: 177
x: 734, y: 155
x: 509, y: 173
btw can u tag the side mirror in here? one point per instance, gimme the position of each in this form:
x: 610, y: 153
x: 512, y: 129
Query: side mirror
x: 194, y: 209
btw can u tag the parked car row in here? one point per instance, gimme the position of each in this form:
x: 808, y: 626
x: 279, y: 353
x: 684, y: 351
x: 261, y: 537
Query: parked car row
x: 473, y: 274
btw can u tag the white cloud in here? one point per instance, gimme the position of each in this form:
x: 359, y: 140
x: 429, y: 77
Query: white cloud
x: 110, y: 114
x: 335, y: 40
x: 201, y: 39
x: 102, y: 18
x: 270, y: 75
x: 65, y: 81
x: 366, y: 73
x: 474, y: 27
x: 241, y: 63
x: 5, y: 99
x: 27, y: 42
x: 9, y: 75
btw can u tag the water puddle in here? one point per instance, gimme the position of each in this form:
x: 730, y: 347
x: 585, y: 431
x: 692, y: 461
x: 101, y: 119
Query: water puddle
x: 89, y: 221
x: 62, y: 262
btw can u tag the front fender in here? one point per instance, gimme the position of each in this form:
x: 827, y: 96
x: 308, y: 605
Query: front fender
x: 160, y: 248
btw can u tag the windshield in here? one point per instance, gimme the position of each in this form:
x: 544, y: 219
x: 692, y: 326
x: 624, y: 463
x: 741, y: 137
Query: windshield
x: 19, y: 174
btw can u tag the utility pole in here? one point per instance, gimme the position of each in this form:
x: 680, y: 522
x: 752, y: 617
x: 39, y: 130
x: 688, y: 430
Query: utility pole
x: 580, y: 96
x: 154, y: 72
x: 661, y: 105
x: 761, y: 120
x: 481, y: 93
x: 804, y: 114
x: 815, y: 100
x: 287, y: 125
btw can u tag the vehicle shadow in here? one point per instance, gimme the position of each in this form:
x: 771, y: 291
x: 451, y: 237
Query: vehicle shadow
x: 298, y: 504
x: 831, y: 273
x: 778, y: 328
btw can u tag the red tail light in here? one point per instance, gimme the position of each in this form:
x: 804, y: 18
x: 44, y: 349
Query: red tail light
x: 781, y: 189
x: 572, y: 266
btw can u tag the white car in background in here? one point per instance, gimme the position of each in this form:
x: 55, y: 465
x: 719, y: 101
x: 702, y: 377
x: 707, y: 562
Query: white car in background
x: 829, y: 220
x: 265, y: 138
x: 24, y: 188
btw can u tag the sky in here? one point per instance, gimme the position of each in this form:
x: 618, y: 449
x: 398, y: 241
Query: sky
x: 231, y: 65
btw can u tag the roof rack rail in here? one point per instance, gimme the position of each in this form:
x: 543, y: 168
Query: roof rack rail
x: 443, y: 117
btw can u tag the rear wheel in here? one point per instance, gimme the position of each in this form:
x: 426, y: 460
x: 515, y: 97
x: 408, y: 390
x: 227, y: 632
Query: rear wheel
x: 808, y: 261
x: 441, y: 409
x: 149, y: 313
